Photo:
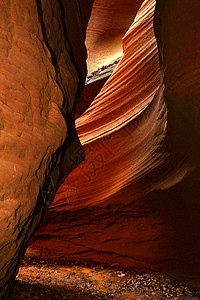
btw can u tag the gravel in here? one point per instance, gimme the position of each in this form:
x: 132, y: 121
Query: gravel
x: 61, y: 279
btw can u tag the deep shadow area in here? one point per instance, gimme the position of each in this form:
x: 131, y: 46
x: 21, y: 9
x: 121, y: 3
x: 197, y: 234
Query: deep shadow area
x: 25, y: 290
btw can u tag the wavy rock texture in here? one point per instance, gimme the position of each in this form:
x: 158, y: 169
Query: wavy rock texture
x: 121, y: 145
x: 109, y: 21
x: 41, y: 73
x: 93, y: 85
x: 135, y: 199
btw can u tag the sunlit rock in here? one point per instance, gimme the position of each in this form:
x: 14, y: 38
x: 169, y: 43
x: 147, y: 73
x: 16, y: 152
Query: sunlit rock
x: 109, y: 21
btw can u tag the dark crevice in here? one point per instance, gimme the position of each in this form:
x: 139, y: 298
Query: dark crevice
x: 44, y: 33
x: 53, y: 59
x: 71, y: 54
x: 69, y: 117
x: 73, y: 60
x: 53, y: 54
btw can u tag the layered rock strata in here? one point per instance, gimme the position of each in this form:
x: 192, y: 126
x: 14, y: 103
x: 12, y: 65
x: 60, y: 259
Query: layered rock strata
x: 109, y: 21
x: 135, y: 199
x: 93, y: 85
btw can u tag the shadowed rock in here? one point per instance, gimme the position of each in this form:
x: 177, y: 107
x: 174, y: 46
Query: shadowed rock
x: 42, y: 58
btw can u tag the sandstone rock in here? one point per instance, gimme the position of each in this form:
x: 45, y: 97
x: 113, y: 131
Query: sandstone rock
x: 41, y: 74
x: 179, y: 48
x: 109, y: 21
x: 94, y: 84
x: 103, y: 222
x: 135, y: 199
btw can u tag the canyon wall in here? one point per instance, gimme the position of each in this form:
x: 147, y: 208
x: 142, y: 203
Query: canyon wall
x: 109, y: 21
x: 43, y: 68
x: 134, y: 201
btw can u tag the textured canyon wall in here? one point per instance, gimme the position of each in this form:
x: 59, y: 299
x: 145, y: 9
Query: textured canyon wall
x: 109, y: 21
x: 93, y: 85
x: 135, y: 199
x: 41, y: 73
x: 95, y: 214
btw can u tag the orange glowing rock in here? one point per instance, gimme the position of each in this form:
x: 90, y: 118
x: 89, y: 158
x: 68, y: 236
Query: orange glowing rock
x: 41, y: 72
x: 135, y: 199
x: 109, y: 21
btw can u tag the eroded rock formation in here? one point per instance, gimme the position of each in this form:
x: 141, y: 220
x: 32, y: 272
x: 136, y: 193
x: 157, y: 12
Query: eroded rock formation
x: 109, y: 21
x: 93, y: 85
x: 98, y: 200
x: 135, y: 199
x: 43, y: 68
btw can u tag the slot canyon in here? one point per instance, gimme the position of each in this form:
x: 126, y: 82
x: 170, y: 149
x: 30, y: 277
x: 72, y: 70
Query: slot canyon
x: 100, y: 136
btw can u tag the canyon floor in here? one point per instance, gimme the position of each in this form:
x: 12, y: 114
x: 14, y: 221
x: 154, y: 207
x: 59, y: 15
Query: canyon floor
x: 52, y: 279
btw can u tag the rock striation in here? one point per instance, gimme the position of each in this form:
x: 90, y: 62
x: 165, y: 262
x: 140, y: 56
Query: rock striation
x: 134, y: 201
x: 93, y: 85
x: 43, y: 68
x: 109, y: 21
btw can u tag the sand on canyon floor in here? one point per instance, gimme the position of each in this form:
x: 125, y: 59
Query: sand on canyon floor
x: 53, y: 279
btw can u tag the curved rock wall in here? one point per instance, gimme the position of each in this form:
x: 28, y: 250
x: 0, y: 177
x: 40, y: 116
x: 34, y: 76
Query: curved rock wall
x: 95, y: 214
x: 135, y: 199
x: 109, y: 21
x: 41, y: 72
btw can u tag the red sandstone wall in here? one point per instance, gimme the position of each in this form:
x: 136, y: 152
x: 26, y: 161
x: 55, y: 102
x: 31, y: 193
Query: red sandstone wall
x: 135, y: 199
x: 41, y: 72
x: 109, y: 21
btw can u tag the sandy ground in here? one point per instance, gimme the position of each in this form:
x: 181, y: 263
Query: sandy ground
x: 42, y: 279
